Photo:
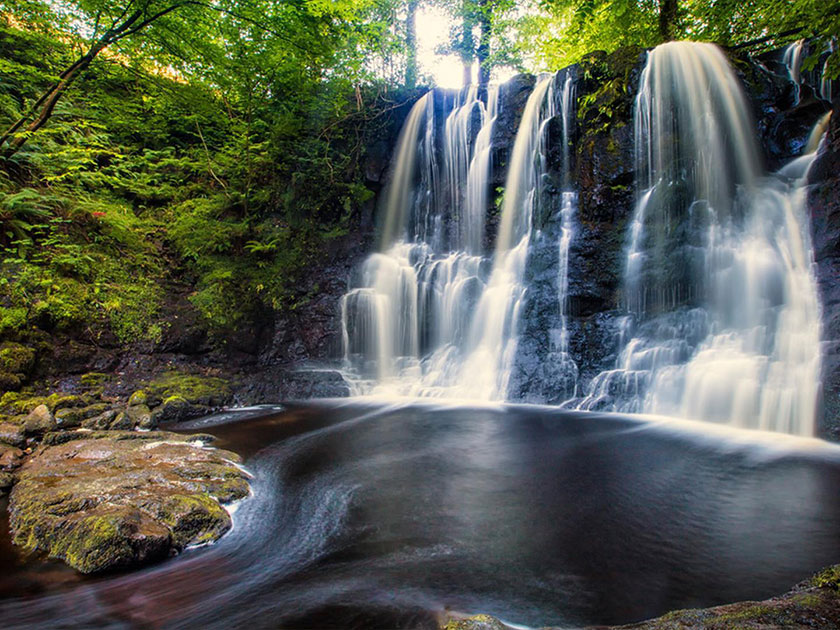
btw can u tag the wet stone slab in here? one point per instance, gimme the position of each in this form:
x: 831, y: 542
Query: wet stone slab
x: 112, y: 499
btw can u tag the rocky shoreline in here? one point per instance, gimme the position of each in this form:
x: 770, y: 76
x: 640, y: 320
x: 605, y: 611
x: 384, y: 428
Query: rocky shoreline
x: 814, y: 603
x: 93, y: 483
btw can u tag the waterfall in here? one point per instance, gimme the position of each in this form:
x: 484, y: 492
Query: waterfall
x: 724, y: 316
x: 406, y: 318
x: 433, y: 313
x: 792, y: 59
x: 494, y: 331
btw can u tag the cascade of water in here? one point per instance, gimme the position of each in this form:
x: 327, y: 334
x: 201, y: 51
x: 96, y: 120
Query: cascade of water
x: 792, y: 59
x: 429, y: 314
x: 493, y: 334
x: 567, y: 365
x: 719, y: 270
x: 411, y: 303
x: 826, y: 83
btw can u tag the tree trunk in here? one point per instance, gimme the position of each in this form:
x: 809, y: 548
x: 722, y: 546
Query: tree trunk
x: 668, y: 10
x: 411, y: 44
x: 43, y: 108
x: 13, y: 138
x: 485, y: 22
x: 468, y: 47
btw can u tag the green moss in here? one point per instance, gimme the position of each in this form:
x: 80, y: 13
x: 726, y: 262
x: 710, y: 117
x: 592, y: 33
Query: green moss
x: 808, y: 600
x: 828, y: 578
x: 194, y: 519
x: 93, y: 379
x: 93, y: 543
x: 138, y: 398
x: 177, y: 387
x: 22, y: 402
x: 754, y: 612
x: 16, y: 358
x: 12, y: 319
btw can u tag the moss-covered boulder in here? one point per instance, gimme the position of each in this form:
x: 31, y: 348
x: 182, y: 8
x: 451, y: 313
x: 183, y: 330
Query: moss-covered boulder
x: 196, y: 389
x: 71, y: 417
x: 138, y: 398
x: 100, y: 500
x: 140, y: 416
x: 178, y: 409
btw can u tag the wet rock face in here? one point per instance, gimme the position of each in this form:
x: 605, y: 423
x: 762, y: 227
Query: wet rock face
x: 102, y: 500
x: 824, y: 207
x: 602, y: 155
x: 278, y: 384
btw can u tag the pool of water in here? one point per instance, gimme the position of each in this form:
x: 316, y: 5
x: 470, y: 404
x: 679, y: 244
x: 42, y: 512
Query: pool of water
x: 385, y: 515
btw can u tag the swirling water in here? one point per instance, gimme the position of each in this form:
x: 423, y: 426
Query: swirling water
x: 367, y: 516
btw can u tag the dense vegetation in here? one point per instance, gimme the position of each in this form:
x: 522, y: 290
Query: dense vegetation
x: 213, y: 149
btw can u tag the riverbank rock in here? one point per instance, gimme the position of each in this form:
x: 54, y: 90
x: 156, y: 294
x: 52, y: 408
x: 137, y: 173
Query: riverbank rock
x: 110, y: 499
x: 814, y: 603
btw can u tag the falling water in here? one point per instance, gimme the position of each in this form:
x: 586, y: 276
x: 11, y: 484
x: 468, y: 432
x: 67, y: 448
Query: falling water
x: 407, y: 316
x: 725, y: 318
x: 793, y: 61
x: 432, y: 314
x: 494, y: 331
x: 825, y: 83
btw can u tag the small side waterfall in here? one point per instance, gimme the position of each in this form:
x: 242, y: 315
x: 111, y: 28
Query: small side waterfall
x: 724, y: 321
x: 792, y: 59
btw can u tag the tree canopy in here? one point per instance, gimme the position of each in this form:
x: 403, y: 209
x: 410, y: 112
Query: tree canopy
x: 222, y: 141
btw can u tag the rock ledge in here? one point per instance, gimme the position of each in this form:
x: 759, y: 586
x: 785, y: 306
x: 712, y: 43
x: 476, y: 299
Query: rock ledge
x: 112, y: 499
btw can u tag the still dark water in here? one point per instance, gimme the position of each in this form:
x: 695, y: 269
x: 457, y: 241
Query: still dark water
x: 374, y: 516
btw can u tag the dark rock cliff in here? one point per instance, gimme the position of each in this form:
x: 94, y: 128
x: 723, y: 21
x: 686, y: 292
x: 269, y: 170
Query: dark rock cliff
x: 824, y: 207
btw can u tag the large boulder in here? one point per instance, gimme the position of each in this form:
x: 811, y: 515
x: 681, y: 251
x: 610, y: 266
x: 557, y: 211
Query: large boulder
x: 100, y: 500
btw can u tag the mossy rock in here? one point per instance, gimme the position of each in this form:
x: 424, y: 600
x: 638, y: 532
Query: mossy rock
x: 25, y: 402
x: 207, y: 391
x: 138, y: 398
x: 9, y: 382
x: 140, y: 416
x: 105, y: 499
x: 39, y: 421
x: 93, y: 379
x: 177, y: 409
x: 16, y: 359
x: 122, y: 422
x: 70, y: 417
x: 12, y: 432
x: 101, y: 421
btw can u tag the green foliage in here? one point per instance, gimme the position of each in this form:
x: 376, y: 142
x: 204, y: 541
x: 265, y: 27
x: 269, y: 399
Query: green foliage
x: 210, y: 152
x: 563, y: 31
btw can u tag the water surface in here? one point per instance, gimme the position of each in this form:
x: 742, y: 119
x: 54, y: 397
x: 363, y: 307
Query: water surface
x: 372, y: 515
